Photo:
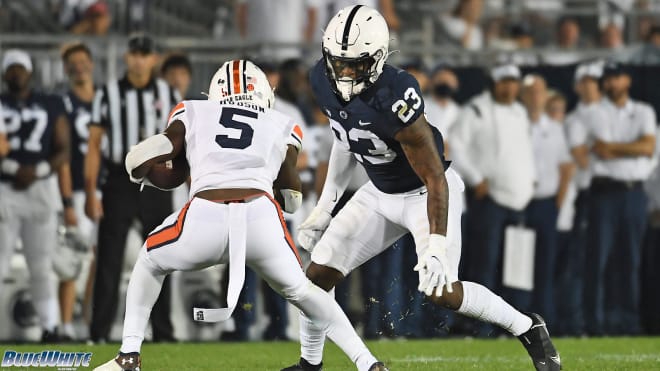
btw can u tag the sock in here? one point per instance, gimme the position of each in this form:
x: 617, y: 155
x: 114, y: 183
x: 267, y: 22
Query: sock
x: 326, y: 315
x: 483, y: 304
x: 143, y: 289
x: 48, y: 310
x: 312, y: 338
x: 68, y: 330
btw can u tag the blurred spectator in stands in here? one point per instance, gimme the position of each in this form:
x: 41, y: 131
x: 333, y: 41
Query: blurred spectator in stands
x: 176, y: 70
x: 523, y: 42
x: 86, y: 17
x: 649, y: 53
x: 78, y: 66
x: 554, y: 170
x: 623, y: 135
x: 492, y: 150
x: 567, y: 39
x: 555, y: 108
x: 462, y: 25
x: 441, y: 110
x: 611, y: 37
x: 279, y: 27
x: 651, y: 254
x: 570, y: 275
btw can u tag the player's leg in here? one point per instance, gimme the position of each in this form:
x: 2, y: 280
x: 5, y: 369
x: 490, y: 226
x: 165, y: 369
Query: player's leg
x: 10, y: 224
x: 355, y: 235
x: 38, y: 247
x: 469, y: 298
x: 271, y: 253
x: 155, y: 205
x: 191, y: 238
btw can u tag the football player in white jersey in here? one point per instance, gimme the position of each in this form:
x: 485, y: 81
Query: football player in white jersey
x: 240, y: 153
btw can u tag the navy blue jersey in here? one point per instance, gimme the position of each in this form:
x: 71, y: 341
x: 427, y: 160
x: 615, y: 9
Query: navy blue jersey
x: 31, y: 126
x: 79, y: 114
x: 368, y: 123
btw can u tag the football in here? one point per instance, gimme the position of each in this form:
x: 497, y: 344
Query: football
x: 169, y: 174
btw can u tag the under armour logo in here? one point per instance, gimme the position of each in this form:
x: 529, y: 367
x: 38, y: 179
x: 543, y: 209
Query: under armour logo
x: 127, y: 360
x: 200, y: 315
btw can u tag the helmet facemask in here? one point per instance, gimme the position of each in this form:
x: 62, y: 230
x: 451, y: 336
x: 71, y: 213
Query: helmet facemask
x: 353, y: 75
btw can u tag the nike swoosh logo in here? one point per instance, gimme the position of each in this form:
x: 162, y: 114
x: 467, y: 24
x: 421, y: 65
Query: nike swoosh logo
x: 423, y: 192
x: 555, y: 359
x: 363, y: 123
x: 335, y: 199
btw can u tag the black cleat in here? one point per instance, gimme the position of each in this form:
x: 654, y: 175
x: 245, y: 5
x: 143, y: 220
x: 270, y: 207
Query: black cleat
x: 50, y: 337
x: 378, y: 366
x: 539, y: 346
x: 303, y: 365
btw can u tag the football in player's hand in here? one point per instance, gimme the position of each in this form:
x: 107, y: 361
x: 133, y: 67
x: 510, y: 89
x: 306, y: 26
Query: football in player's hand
x: 169, y: 174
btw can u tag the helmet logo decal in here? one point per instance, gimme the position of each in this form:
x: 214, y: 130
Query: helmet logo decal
x: 347, y: 27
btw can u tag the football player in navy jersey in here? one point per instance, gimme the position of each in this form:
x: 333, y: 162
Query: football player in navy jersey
x: 376, y: 114
x: 78, y: 65
x: 37, y: 130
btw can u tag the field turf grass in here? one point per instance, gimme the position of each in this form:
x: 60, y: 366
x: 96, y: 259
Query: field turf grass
x: 457, y: 354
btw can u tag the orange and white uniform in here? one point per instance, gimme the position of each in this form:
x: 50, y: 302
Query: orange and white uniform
x: 230, y: 146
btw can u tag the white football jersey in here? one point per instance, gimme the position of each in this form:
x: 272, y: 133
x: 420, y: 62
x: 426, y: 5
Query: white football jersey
x: 234, y: 145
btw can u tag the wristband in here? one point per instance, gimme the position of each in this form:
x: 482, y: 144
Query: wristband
x: 9, y: 166
x: 42, y: 169
x: 67, y: 202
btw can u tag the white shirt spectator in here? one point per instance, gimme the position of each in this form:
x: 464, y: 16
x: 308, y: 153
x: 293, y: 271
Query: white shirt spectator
x: 492, y: 142
x: 620, y: 124
x: 550, y: 151
x: 577, y: 123
x: 278, y: 22
x: 652, y: 184
x: 456, y: 27
x: 442, y: 117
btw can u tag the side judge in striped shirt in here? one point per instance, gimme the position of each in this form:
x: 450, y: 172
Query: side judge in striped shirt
x: 127, y: 111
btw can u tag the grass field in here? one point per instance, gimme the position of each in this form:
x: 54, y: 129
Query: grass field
x: 639, y: 354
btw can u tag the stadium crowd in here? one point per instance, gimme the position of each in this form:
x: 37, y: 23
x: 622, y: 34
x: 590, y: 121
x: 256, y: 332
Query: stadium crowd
x: 561, y: 215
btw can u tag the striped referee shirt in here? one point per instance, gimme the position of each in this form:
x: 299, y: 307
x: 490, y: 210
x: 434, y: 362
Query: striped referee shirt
x: 130, y: 115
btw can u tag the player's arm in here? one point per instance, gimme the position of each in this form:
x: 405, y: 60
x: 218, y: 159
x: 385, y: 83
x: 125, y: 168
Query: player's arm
x: 287, y: 187
x: 340, y: 171
x: 420, y: 148
x: 157, y: 148
x: 66, y: 192
x: 61, y: 144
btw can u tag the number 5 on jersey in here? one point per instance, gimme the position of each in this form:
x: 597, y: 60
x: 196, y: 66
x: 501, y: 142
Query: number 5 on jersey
x: 229, y: 120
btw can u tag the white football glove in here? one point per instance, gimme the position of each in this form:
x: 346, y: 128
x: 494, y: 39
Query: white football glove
x: 311, y: 230
x: 433, y: 267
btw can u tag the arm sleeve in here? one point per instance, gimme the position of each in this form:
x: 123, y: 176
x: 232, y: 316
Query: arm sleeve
x: 460, y: 141
x: 649, y: 125
x: 565, y: 152
x: 576, y: 132
x: 295, y: 137
x: 340, y: 170
x: 100, y: 109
